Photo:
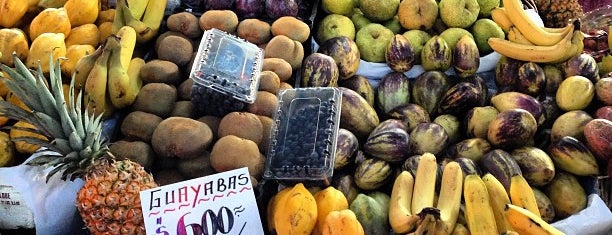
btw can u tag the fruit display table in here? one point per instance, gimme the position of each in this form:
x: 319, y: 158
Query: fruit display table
x: 349, y: 116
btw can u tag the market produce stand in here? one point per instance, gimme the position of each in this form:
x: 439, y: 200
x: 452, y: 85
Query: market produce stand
x: 355, y: 116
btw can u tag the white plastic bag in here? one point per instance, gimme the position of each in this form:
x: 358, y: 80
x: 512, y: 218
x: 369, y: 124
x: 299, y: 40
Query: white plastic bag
x: 51, y: 203
x: 596, y: 219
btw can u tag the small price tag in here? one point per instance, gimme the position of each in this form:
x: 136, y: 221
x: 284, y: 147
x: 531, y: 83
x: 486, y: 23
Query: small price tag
x: 223, y: 203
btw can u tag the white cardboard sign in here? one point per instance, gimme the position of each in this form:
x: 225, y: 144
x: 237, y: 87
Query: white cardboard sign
x: 222, y: 203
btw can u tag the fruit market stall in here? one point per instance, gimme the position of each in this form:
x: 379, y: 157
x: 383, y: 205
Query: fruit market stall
x: 309, y: 117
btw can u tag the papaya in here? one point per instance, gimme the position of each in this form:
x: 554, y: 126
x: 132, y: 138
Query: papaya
x: 328, y: 200
x: 342, y: 222
x: 296, y: 212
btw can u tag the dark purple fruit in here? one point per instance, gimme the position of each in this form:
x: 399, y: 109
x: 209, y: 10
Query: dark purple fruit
x: 277, y: 8
x: 531, y: 79
x: 582, y: 64
x: 460, y: 98
x: 319, y: 70
x: 393, y: 91
x: 389, y: 141
x: 219, y: 4
x: 512, y: 128
x: 345, y: 53
x: 400, y: 54
x: 361, y: 85
x: 250, y: 8
x: 428, y: 89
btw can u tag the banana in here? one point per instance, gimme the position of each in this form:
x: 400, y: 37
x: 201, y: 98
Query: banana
x: 478, y: 211
x: 424, y: 183
x: 140, y: 27
x: 449, y: 201
x: 514, y: 35
x: 137, y: 7
x: 95, y: 87
x: 127, y: 41
x: 562, y: 51
x: 119, y: 19
x: 532, y: 31
x: 152, y: 18
x: 498, y: 15
x: 400, y: 215
x: 526, y: 222
x: 83, y: 66
x: 120, y: 90
x: 498, y: 198
x: 460, y: 229
x: 522, y: 195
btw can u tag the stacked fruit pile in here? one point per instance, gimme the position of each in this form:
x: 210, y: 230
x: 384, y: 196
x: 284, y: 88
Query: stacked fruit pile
x: 437, y: 152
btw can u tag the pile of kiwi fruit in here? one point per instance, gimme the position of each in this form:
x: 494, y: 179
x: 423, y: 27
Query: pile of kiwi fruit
x: 161, y: 131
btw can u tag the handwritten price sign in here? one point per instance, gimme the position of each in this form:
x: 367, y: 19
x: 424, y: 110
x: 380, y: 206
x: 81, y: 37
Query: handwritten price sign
x: 223, y: 203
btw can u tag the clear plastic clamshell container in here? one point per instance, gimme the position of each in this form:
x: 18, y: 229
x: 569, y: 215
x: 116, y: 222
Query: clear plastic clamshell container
x: 303, y: 136
x: 225, y: 73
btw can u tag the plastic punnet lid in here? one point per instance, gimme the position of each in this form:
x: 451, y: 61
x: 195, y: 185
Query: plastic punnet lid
x: 228, y: 64
x: 304, y: 134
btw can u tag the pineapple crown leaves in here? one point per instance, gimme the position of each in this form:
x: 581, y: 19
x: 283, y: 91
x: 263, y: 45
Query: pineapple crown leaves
x: 75, y: 134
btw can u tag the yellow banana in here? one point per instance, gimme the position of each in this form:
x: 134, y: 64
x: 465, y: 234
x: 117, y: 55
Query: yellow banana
x: 119, y: 19
x: 140, y: 27
x: 526, y: 222
x: 498, y: 198
x: 533, y: 53
x: 460, y: 229
x: 95, y: 87
x: 478, y: 211
x: 118, y: 79
x: 424, y: 183
x: 532, y: 31
x: 514, y: 35
x: 522, y: 195
x: 83, y: 67
x: 509, y: 232
x: 401, y: 218
x: 137, y: 7
x: 127, y: 36
x: 152, y: 17
x: 498, y: 15
x: 449, y: 201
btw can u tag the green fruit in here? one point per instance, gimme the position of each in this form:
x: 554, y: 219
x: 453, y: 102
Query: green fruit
x: 436, y: 55
x: 335, y: 25
x: 370, y: 215
x: 372, y: 41
x: 566, y: 194
x: 341, y: 7
x: 482, y: 30
x: 417, y: 39
x: 379, y: 10
x: 575, y: 93
x: 452, y: 35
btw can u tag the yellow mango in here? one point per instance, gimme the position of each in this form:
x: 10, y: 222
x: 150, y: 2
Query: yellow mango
x: 106, y: 29
x: 87, y: 34
x: 22, y: 146
x: 42, y: 47
x: 13, y: 40
x: 342, y: 222
x: 328, y: 200
x: 7, y: 150
x: 82, y: 12
x: 50, y: 20
x: 107, y: 15
x: 296, y: 212
x: 11, y: 12
x: 73, y: 54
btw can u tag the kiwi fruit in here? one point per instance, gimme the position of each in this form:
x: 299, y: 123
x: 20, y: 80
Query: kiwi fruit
x: 137, y: 151
x: 156, y: 98
x: 180, y: 137
x: 225, y: 20
x: 265, y: 104
x: 284, y: 85
x: 291, y: 27
x: 241, y: 124
x: 184, y: 89
x: 266, y: 123
x: 195, y: 167
x: 167, y: 176
x: 231, y: 152
x: 212, y: 122
x: 162, y: 71
x: 283, y: 47
x: 269, y: 81
x: 182, y: 108
x: 185, y: 23
x: 254, y: 30
x: 279, y: 66
x: 138, y: 125
x: 175, y: 49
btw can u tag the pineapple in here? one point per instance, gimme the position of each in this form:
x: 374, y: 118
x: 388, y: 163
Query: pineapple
x: 558, y: 13
x: 109, y: 202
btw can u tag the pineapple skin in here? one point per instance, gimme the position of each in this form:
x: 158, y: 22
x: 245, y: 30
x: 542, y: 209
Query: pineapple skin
x: 109, y: 202
x: 558, y: 13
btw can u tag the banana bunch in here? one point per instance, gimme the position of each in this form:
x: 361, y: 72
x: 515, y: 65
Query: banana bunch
x: 109, y: 77
x: 411, y: 206
x: 490, y: 209
x: 528, y: 41
x: 144, y: 16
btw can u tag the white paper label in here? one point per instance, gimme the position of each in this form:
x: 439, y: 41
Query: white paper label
x: 16, y: 213
x: 222, y: 203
